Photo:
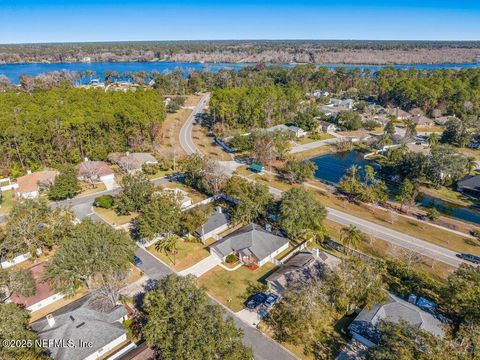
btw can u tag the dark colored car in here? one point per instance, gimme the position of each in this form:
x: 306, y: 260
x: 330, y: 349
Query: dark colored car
x: 255, y: 300
x: 137, y: 261
x: 469, y: 257
x: 271, y: 299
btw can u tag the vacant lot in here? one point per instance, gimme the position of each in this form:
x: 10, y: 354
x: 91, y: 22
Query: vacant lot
x: 187, y: 255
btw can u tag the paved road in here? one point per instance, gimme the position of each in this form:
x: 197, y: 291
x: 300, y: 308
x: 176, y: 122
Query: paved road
x: 186, y: 141
x: 263, y: 347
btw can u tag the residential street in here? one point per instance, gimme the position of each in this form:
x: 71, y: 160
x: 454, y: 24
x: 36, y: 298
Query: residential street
x: 186, y: 140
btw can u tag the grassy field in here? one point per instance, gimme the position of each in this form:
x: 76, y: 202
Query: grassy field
x: 112, y: 218
x: 207, y: 145
x: 188, y: 254
x: 218, y: 280
x: 308, y: 154
x: 448, y: 195
x: 309, y: 139
x: 88, y: 189
x: 470, y: 152
x: 7, y: 202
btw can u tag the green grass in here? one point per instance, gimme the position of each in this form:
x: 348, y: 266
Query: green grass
x: 7, y: 202
x: 229, y: 287
x: 188, y: 254
x: 449, y: 195
x: 112, y: 218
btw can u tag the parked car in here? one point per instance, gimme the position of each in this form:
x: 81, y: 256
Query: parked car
x: 271, y: 300
x: 136, y: 261
x: 255, y: 300
x: 469, y: 257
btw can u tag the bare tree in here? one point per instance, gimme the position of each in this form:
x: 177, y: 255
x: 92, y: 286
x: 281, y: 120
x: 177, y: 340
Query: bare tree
x: 90, y: 172
x: 215, y: 176
x: 392, y: 217
x: 107, y: 289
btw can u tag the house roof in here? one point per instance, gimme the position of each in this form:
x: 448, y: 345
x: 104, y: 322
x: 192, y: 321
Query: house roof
x: 470, y: 182
x: 394, y: 310
x: 77, y: 321
x: 134, y: 161
x: 99, y: 168
x: 398, y: 112
x: 43, y: 288
x: 31, y: 182
x: 215, y: 221
x: 141, y: 352
x: 302, y: 264
x: 421, y: 120
x: 252, y: 239
x: 280, y: 127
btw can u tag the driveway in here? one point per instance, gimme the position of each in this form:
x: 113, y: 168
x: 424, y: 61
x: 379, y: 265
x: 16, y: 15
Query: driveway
x: 202, y: 266
x: 150, y: 266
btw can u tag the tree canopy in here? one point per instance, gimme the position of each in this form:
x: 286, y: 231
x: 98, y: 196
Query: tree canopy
x: 182, y: 323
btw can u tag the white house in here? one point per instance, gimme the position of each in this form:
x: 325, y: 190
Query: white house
x: 30, y: 185
x: 182, y: 197
x: 83, y: 322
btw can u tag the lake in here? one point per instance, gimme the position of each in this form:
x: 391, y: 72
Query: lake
x: 331, y: 168
x: 13, y: 71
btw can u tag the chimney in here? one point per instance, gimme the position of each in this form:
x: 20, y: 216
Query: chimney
x: 219, y: 209
x: 29, y: 172
x: 50, y: 320
x: 268, y: 227
x: 86, y: 159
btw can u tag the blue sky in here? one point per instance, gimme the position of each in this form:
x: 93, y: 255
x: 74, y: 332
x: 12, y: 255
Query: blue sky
x: 88, y: 20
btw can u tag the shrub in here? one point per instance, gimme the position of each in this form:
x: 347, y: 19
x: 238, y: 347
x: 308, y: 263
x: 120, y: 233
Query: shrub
x: 104, y: 201
x: 150, y: 169
x: 231, y: 259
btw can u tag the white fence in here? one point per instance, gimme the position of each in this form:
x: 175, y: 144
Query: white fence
x: 6, y: 184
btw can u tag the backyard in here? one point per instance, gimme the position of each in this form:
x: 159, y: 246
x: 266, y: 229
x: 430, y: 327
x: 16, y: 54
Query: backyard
x: 7, y: 202
x: 218, y: 280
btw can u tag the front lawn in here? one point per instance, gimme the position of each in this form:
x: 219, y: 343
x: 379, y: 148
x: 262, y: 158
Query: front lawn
x: 110, y: 216
x: 195, y: 195
x: 230, y: 287
x: 188, y: 254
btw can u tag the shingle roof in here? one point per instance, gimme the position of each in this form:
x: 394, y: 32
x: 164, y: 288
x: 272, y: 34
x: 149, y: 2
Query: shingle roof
x: 251, y: 238
x: 100, y: 167
x: 80, y: 321
x: 394, y: 310
x: 135, y: 161
x: 31, y: 182
x: 470, y: 183
x: 301, y: 264
x: 217, y: 220
x: 43, y: 288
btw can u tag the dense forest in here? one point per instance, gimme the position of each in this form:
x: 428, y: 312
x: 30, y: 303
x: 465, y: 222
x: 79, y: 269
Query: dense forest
x: 279, y: 51
x: 49, y: 127
x: 244, y: 100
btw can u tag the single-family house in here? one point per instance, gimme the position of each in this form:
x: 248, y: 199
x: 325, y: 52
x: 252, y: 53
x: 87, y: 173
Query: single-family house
x: 365, y: 326
x: 326, y: 127
x: 252, y: 244
x: 398, y: 113
x: 298, y: 132
x: 184, y: 201
x: 217, y: 223
x: 30, y: 185
x: 133, y: 162
x: 347, y: 104
x: 421, y: 120
x: 44, y: 294
x: 280, y: 127
x: 82, y: 322
x: 303, y: 266
x: 95, y: 172
x: 470, y: 185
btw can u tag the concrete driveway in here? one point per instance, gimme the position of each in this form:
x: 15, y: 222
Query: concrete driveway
x: 202, y: 266
x: 151, y: 266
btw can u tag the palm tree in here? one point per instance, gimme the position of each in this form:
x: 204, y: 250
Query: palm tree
x: 168, y: 245
x: 471, y: 164
x: 351, y: 236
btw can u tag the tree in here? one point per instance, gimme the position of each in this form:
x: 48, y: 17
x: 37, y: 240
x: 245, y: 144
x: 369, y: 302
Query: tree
x: 300, y: 212
x: 92, y: 250
x: 410, y: 130
x: 404, y: 342
x: 433, y: 214
x: 18, y: 281
x: 161, y: 216
x: 463, y: 291
x: 136, y: 192
x: 32, y: 225
x: 389, y: 128
x: 215, y: 177
x: 15, y: 326
x: 349, y: 120
x: 251, y: 199
x: 194, y: 168
x: 168, y: 245
x: 433, y: 139
x: 351, y: 236
x: 456, y: 133
x: 182, y: 323
x: 407, y: 193
x: 194, y: 218
x: 306, y: 121
x: 296, y: 171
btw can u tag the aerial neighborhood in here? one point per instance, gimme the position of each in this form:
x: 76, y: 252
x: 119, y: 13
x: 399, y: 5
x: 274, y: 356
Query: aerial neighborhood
x: 272, y: 212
